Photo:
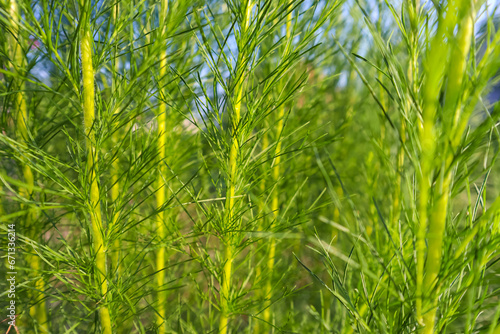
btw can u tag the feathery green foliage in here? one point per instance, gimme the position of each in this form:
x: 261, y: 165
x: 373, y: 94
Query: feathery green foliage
x: 250, y: 166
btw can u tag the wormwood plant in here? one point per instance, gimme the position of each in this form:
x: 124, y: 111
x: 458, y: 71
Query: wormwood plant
x: 447, y: 125
x: 251, y: 166
x: 239, y: 162
x: 117, y: 150
x: 276, y: 175
x: 92, y: 163
x: 168, y: 23
x: 18, y: 67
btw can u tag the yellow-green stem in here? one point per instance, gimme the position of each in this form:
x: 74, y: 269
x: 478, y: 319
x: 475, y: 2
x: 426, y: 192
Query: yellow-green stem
x: 414, y: 15
x: 232, y: 180
x: 456, y: 75
x: 263, y: 209
x: 438, y: 217
x: 228, y: 253
x: 225, y: 288
x: 115, y: 167
x: 161, y: 193
x: 263, y: 205
x: 275, y: 209
x: 94, y: 204
x: 434, y: 66
x: 38, y: 311
x: 276, y: 178
x: 115, y: 259
x: 433, y: 263
x: 398, y: 193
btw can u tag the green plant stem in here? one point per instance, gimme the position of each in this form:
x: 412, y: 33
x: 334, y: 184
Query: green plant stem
x: 434, y: 65
x: 38, y: 311
x: 263, y: 204
x: 262, y: 210
x: 276, y: 174
x: 115, y: 167
x: 94, y: 205
x: 456, y: 76
x: 275, y: 210
x: 435, y: 240
x: 161, y: 193
x: 228, y: 252
x: 437, y: 225
x: 414, y: 15
x: 232, y: 180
